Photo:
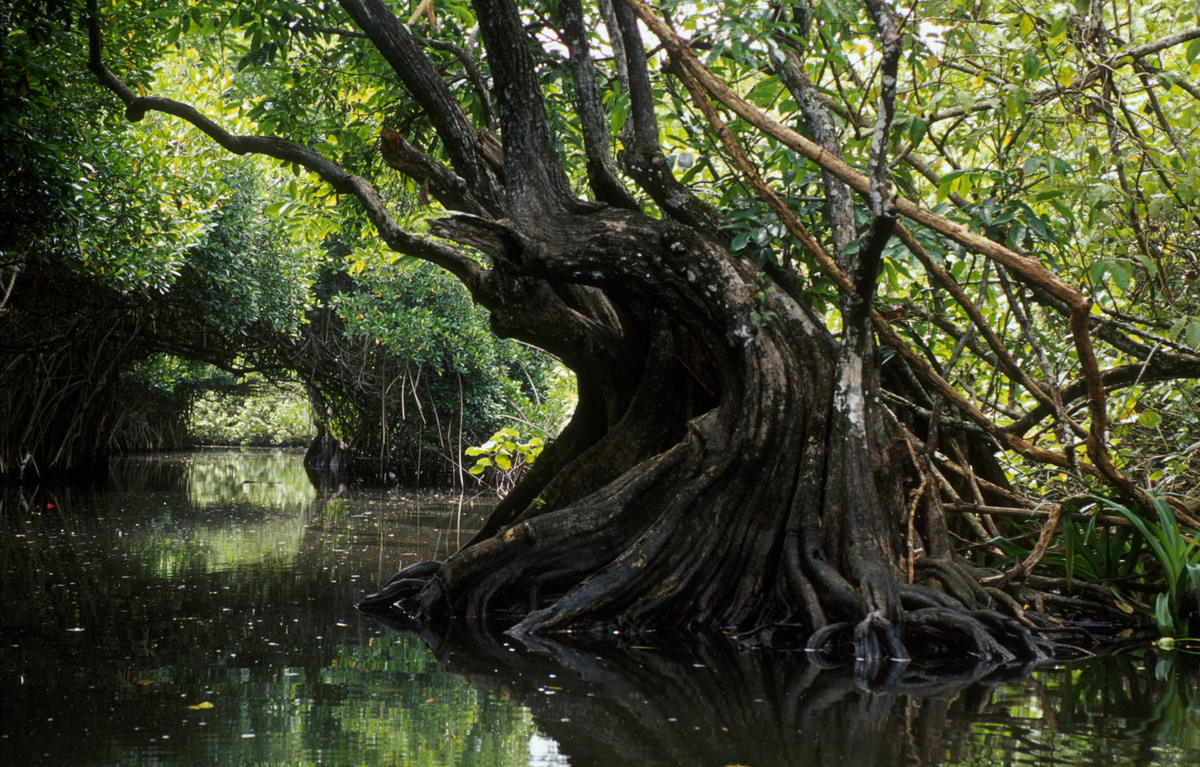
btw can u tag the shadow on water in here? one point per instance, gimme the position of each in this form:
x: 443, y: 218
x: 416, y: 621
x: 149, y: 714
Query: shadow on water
x: 199, y: 610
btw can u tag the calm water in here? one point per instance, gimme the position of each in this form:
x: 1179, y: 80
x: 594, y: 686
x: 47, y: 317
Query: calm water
x: 199, y: 610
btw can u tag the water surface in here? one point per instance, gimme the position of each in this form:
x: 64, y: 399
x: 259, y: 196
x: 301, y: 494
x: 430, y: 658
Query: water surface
x: 199, y: 610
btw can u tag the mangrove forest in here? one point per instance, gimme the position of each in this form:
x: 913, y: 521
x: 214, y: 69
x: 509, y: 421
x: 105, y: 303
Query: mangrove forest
x: 882, y: 319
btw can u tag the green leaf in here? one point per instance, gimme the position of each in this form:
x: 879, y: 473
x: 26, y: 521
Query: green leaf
x: 763, y: 94
x: 1193, y: 333
x: 1121, y: 270
x: 1193, y: 50
x: 1148, y: 264
x: 620, y: 108
x: 1193, y: 571
x: 1162, y: 615
x: 917, y: 130
x: 479, y: 466
x: 1149, y: 419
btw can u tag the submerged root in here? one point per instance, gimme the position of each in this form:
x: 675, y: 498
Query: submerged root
x: 951, y: 635
x: 933, y: 639
x: 404, y: 584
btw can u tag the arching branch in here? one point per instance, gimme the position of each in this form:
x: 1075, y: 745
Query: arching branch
x: 470, y: 272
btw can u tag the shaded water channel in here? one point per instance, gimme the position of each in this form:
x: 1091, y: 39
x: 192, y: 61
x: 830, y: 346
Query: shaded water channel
x: 199, y: 610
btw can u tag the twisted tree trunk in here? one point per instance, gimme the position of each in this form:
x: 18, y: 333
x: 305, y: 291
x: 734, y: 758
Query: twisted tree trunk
x: 728, y: 469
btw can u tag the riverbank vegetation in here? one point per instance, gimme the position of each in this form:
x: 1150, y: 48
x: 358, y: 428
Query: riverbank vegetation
x: 883, y: 319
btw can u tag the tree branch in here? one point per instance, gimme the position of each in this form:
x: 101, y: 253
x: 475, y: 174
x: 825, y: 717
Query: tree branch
x: 472, y: 71
x: 1079, y: 82
x: 462, y: 141
x: 1027, y: 269
x: 449, y: 189
x: 1160, y: 367
x: 820, y: 123
x: 534, y: 177
x: 643, y: 157
x: 603, y: 176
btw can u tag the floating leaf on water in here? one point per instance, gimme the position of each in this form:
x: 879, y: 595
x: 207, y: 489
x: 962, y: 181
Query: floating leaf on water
x: 144, y: 682
x: 203, y: 705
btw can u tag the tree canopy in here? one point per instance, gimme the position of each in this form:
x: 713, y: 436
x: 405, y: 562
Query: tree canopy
x: 850, y: 289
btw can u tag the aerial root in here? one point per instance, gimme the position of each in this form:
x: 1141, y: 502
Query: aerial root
x: 406, y: 583
x: 1015, y: 636
x: 871, y: 643
x: 988, y: 635
x: 824, y: 644
x: 876, y: 640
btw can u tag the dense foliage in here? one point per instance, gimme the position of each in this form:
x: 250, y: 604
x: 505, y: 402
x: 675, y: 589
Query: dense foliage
x: 403, y: 366
x: 121, y: 245
x: 270, y: 415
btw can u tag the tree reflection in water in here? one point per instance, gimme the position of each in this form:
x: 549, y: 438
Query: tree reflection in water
x: 718, y: 704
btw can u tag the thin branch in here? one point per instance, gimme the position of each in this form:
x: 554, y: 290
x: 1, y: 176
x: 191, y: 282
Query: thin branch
x: 472, y: 70
x: 1028, y: 269
x: 1161, y: 367
x: 1080, y: 82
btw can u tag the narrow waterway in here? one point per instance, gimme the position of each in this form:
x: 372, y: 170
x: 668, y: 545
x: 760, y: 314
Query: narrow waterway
x: 199, y: 609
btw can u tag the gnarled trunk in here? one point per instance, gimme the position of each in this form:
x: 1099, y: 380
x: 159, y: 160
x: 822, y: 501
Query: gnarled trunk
x: 727, y: 469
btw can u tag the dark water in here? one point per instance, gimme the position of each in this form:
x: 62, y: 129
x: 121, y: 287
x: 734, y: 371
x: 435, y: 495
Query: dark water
x: 199, y: 610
